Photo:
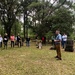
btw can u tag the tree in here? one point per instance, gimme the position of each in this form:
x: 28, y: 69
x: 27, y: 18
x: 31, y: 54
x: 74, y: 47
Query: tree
x: 45, y: 15
x: 16, y: 28
x: 63, y: 20
x: 24, y: 5
x: 9, y: 10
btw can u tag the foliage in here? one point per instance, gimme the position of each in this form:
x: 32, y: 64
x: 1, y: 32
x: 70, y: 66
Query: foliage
x: 16, y: 28
x: 63, y: 20
x: 1, y: 30
x: 51, y: 17
x: 8, y: 13
x: 42, y: 15
x: 49, y: 35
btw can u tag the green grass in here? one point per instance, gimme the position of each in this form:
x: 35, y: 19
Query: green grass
x: 32, y: 61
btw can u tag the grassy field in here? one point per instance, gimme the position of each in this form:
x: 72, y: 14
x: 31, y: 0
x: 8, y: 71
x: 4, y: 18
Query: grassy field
x: 32, y: 61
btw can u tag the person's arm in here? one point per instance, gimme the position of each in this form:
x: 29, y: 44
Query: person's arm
x: 58, y: 39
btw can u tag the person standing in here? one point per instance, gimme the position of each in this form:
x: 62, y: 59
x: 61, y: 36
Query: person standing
x: 1, y: 39
x: 12, y: 38
x: 19, y: 40
x: 64, y: 39
x: 5, y: 40
x: 58, y: 44
x: 28, y: 41
x: 43, y: 40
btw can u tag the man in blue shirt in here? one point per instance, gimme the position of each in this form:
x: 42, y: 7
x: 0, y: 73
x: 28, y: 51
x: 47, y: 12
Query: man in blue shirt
x: 58, y: 44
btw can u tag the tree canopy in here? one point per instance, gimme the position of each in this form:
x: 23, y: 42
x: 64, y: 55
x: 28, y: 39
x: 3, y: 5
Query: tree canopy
x: 42, y: 16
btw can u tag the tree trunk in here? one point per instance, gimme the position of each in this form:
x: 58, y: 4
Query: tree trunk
x: 25, y: 23
x: 8, y: 30
x: 24, y: 26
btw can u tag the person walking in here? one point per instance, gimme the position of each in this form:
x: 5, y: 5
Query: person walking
x: 58, y: 44
x: 64, y: 39
x: 5, y: 40
x: 1, y: 39
x: 12, y: 38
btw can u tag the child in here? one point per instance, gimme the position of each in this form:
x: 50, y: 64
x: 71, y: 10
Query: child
x: 40, y: 45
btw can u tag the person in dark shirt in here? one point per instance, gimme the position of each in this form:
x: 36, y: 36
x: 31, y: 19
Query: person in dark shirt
x: 28, y: 41
x: 5, y: 40
x: 19, y: 40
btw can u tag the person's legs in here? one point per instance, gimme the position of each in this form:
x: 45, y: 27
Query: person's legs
x: 11, y: 43
x: 56, y: 46
x: 20, y: 43
x: 64, y: 44
x: 27, y: 43
x: 6, y: 45
x: 58, y: 50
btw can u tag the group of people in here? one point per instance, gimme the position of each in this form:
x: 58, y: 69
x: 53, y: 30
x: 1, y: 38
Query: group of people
x: 63, y: 40
x: 40, y: 42
x: 57, y: 41
x: 14, y: 40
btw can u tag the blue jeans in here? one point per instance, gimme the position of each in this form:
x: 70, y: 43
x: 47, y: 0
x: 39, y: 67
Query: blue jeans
x: 27, y: 43
x: 63, y: 44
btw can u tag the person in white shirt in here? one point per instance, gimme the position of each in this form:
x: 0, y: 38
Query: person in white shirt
x: 64, y: 39
x: 1, y: 39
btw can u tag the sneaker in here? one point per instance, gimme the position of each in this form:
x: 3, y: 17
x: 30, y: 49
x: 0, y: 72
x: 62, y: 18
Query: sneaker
x: 56, y: 57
